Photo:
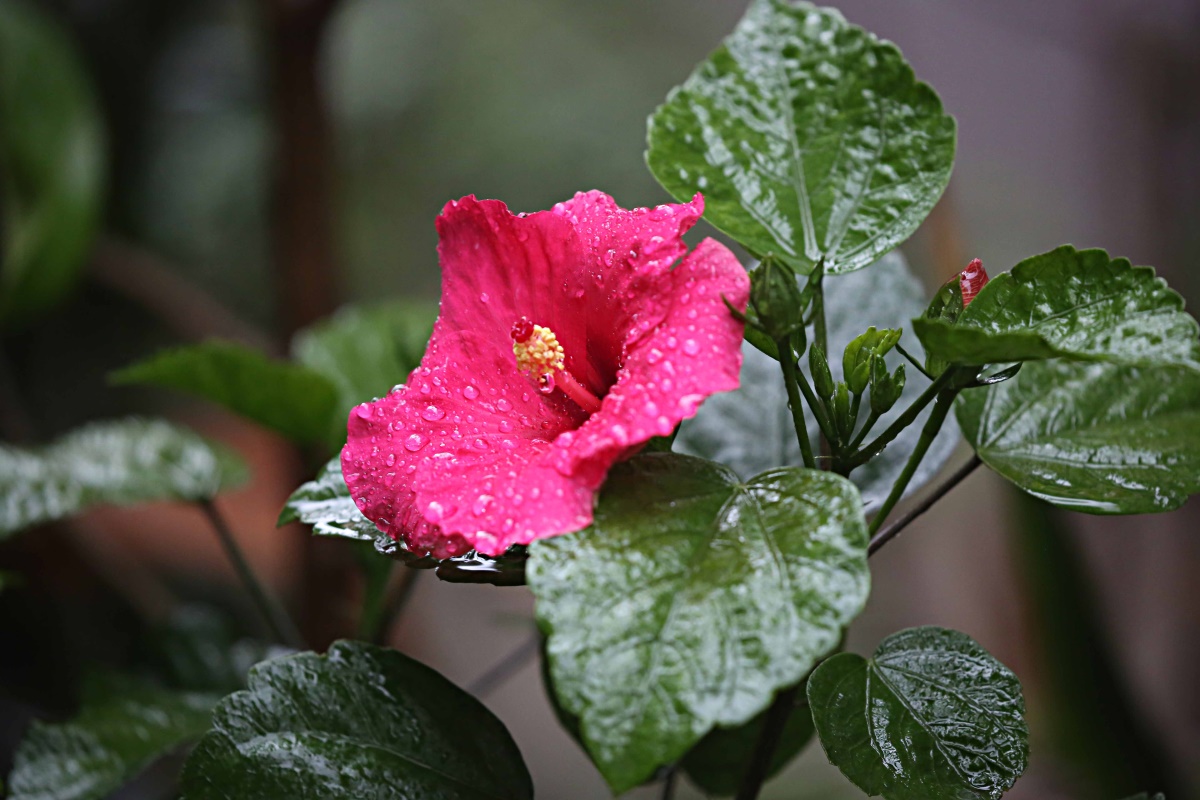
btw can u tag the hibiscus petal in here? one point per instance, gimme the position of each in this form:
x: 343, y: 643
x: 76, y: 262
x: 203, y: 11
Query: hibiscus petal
x: 692, y: 353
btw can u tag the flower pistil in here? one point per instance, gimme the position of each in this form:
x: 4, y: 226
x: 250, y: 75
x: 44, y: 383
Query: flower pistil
x: 540, y: 356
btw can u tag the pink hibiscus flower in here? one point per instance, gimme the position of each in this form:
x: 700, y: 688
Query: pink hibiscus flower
x: 565, y: 342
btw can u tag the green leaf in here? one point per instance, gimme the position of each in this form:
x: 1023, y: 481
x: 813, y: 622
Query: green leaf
x: 931, y: 716
x: 52, y: 170
x: 751, y: 429
x: 122, y: 727
x: 365, y: 351
x: 719, y: 761
x: 1099, y: 438
x: 360, y: 721
x: 325, y: 504
x: 809, y: 138
x: 692, y: 599
x: 290, y: 399
x: 1069, y: 303
x: 119, y: 462
x: 198, y: 650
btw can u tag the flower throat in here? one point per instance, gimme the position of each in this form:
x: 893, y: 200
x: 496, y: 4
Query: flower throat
x: 541, y: 357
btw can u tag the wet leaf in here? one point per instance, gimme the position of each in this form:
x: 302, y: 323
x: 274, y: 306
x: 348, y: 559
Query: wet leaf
x: 120, y: 462
x: 718, y: 761
x: 931, y: 716
x: 360, y: 721
x: 1077, y: 304
x: 808, y: 137
x: 751, y: 429
x: 122, y: 727
x: 326, y: 505
x: 692, y: 599
x: 1100, y: 438
x: 288, y: 398
x: 52, y: 170
x: 199, y: 650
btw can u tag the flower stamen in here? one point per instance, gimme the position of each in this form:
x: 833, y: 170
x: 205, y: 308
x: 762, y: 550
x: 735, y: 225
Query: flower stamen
x: 540, y: 356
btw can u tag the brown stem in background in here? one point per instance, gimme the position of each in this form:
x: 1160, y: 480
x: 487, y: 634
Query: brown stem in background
x: 303, y: 249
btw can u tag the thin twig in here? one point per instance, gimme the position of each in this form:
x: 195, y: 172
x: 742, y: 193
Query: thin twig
x: 791, y: 381
x: 281, y: 625
x: 907, y: 418
x: 668, y: 784
x: 891, y: 531
x: 768, y: 743
x: 506, y: 667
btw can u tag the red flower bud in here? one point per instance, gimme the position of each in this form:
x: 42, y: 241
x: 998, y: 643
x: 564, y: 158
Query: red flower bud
x: 971, y: 280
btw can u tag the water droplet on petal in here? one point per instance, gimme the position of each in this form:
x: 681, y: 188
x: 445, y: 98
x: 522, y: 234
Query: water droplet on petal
x: 503, y: 405
x: 654, y: 356
x: 480, y: 506
x: 434, y: 512
x: 470, y: 392
x: 414, y: 442
x: 506, y: 425
x: 391, y: 459
x: 363, y: 411
x: 484, y: 297
x: 690, y: 347
x: 432, y: 413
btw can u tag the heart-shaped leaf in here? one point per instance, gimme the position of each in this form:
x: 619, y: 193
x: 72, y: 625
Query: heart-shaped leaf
x: 692, y: 599
x: 809, y: 138
x: 52, y: 170
x: 751, y: 429
x: 1091, y: 437
x: 360, y: 721
x: 1069, y: 303
x: 120, y: 462
x: 326, y: 505
x: 288, y: 398
x: 122, y: 727
x: 931, y: 716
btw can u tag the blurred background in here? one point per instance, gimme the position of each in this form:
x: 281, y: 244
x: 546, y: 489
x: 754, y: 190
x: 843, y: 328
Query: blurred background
x: 267, y: 161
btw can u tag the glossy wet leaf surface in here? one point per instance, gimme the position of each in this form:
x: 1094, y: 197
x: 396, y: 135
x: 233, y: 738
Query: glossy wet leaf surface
x: 361, y: 721
x: 718, y: 761
x: 808, y: 137
x: 931, y: 716
x: 52, y: 163
x: 1077, y: 304
x: 1090, y: 437
x: 751, y: 430
x: 122, y: 726
x: 692, y: 599
x: 326, y: 505
x: 364, y: 352
x: 288, y: 398
x: 118, y: 462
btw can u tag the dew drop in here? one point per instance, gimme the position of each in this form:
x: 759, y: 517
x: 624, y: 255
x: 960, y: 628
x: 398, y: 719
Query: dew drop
x: 414, y: 442
x: 390, y: 460
x: 484, y: 297
x: 690, y: 347
x: 503, y: 405
x: 432, y: 413
x: 654, y: 356
x: 363, y: 411
x: 470, y: 392
x: 434, y: 512
x: 506, y: 425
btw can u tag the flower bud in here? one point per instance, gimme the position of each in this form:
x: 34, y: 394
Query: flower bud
x: 775, y: 296
x: 841, y: 412
x: 951, y: 299
x: 819, y: 367
x: 885, y: 389
x: 856, y: 359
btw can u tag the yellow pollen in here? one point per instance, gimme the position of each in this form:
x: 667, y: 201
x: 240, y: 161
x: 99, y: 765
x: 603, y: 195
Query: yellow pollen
x: 541, y: 354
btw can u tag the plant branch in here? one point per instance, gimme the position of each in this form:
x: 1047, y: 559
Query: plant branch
x: 791, y: 380
x: 891, y: 531
x: 506, y: 667
x: 768, y: 743
x: 668, y: 784
x: 903, y: 421
x: 280, y: 624
x: 945, y: 399
x: 872, y: 418
x: 912, y: 360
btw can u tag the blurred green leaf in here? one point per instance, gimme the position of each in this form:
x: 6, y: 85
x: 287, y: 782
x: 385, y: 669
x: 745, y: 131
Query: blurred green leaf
x: 1069, y: 303
x: 1099, y: 438
x: 288, y: 398
x: 198, y: 650
x: 692, y: 599
x: 718, y: 761
x: 809, y: 137
x: 121, y: 728
x: 366, y: 350
x: 51, y: 163
x: 119, y: 462
x: 1093, y: 721
x: 360, y: 721
x: 931, y: 716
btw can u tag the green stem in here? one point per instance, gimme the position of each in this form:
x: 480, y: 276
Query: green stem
x: 792, y: 379
x: 941, y: 408
x: 819, y: 329
x: 903, y: 421
x: 913, y: 361
x: 818, y: 408
x: 768, y: 743
x: 872, y: 418
x: 280, y: 624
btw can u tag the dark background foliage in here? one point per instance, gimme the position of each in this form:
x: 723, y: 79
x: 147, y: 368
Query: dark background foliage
x: 270, y: 161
